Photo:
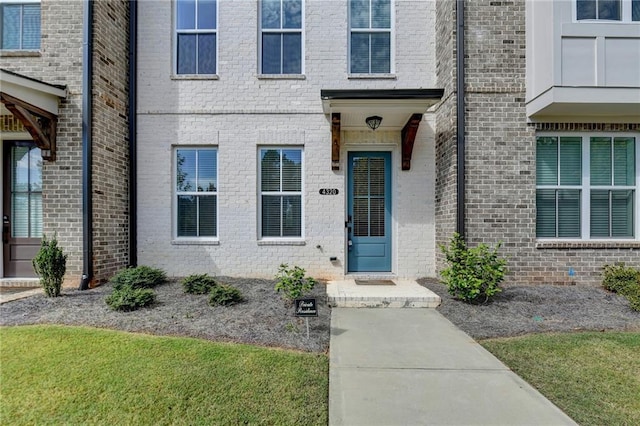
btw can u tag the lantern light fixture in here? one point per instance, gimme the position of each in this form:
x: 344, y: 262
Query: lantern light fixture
x: 373, y: 122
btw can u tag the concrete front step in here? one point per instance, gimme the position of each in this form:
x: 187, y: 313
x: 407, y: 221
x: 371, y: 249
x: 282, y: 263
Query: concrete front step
x: 19, y: 282
x: 403, y: 294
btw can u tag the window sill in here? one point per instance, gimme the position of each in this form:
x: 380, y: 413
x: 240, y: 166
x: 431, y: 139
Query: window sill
x: 588, y: 245
x: 281, y: 77
x: 281, y: 243
x: 195, y: 77
x: 371, y: 77
x: 185, y: 242
x: 20, y: 54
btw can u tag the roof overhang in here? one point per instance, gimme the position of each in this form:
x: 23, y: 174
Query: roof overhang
x: 34, y: 92
x: 35, y: 104
x: 396, y: 106
x: 586, y: 104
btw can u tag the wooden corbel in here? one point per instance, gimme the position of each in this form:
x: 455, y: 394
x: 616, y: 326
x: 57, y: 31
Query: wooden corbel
x: 335, y: 141
x: 40, y: 124
x: 408, y: 137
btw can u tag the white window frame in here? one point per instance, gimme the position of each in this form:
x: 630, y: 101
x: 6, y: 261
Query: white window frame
x: 282, y: 31
x: 392, y: 38
x: 177, y: 31
x: 177, y: 193
x: 21, y: 2
x: 282, y: 193
x: 586, y: 187
x: 625, y: 12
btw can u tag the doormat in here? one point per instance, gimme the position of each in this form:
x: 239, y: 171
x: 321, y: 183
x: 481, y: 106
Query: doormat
x: 375, y: 282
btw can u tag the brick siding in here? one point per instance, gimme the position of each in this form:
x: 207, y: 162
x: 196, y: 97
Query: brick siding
x: 501, y: 152
x: 110, y: 138
x: 241, y: 111
x: 59, y: 61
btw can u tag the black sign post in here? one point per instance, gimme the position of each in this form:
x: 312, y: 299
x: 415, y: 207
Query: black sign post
x: 307, y: 307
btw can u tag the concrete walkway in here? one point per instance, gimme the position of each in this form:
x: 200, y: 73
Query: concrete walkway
x: 413, y: 367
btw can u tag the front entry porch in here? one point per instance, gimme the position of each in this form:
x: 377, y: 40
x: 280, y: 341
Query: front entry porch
x: 379, y: 291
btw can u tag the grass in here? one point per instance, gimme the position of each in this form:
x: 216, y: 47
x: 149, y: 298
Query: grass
x: 593, y: 377
x: 77, y: 375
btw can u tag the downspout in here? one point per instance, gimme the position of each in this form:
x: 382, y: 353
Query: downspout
x: 460, y: 114
x: 87, y: 77
x: 133, y: 184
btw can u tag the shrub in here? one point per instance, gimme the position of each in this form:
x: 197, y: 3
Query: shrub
x: 50, y: 264
x: 138, y: 277
x: 224, y: 295
x: 472, y: 273
x: 127, y: 298
x: 293, y: 282
x: 198, y: 284
x: 623, y: 280
x: 618, y: 277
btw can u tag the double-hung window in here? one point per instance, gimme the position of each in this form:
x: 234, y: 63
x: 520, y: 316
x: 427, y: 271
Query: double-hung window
x: 196, y: 183
x: 608, y: 10
x: 281, y: 36
x: 587, y: 186
x: 196, y: 36
x: 281, y: 192
x: 20, y: 25
x: 370, y: 38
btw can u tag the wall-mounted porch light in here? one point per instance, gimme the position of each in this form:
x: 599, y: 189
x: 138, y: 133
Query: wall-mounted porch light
x: 373, y: 122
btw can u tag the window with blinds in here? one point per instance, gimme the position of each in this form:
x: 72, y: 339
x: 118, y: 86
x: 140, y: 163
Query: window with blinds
x: 368, y: 197
x: 370, y: 41
x: 280, y: 192
x: 281, y: 36
x: 196, y: 36
x: 20, y: 26
x: 196, y: 192
x: 586, y: 186
x: 26, y: 192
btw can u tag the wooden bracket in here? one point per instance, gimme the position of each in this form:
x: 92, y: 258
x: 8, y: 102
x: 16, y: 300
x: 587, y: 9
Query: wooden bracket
x: 335, y: 141
x: 408, y: 137
x: 40, y: 124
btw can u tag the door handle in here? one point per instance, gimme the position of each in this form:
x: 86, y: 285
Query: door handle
x: 5, y: 229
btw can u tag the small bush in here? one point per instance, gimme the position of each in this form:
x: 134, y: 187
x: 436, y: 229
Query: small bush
x: 138, y: 277
x: 198, y: 284
x: 618, y: 277
x: 293, y: 282
x: 50, y: 264
x: 127, y: 298
x: 623, y: 280
x: 224, y: 295
x: 473, y: 273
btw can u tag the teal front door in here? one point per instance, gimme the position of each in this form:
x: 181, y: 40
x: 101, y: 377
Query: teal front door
x: 369, y: 212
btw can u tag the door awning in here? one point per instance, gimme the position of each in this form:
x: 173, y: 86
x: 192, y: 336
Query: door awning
x: 35, y: 104
x: 400, y: 109
x: 395, y: 106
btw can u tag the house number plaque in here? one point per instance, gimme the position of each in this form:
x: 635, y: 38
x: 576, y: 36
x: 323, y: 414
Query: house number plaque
x: 329, y: 191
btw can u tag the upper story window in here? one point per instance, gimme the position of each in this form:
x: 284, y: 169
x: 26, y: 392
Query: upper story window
x: 608, y: 10
x: 370, y: 38
x: 587, y: 186
x: 20, y: 25
x: 196, y: 192
x: 281, y: 36
x: 281, y: 192
x: 196, y: 36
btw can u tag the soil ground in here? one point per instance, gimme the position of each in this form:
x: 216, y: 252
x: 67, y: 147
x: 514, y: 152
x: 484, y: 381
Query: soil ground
x: 263, y: 319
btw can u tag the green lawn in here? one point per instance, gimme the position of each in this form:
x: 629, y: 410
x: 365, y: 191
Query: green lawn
x: 593, y: 377
x: 75, y: 375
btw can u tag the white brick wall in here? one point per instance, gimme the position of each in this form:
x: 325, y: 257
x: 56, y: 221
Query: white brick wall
x: 239, y: 112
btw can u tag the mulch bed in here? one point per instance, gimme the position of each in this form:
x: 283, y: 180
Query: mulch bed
x: 263, y: 319
x: 521, y: 310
